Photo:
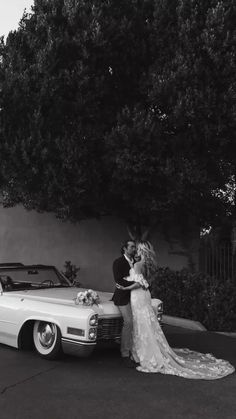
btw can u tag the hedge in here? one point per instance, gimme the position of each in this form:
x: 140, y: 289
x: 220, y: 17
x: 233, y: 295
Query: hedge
x: 197, y: 296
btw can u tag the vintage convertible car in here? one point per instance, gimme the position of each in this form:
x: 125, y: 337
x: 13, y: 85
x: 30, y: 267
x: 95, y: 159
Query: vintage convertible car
x: 38, y: 309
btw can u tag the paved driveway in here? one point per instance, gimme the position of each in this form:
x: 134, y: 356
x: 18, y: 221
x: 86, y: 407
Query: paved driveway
x: 101, y: 387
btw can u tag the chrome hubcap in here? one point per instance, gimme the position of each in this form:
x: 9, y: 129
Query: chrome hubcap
x: 46, y: 334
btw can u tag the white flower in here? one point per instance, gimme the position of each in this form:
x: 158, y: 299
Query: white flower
x: 87, y: 297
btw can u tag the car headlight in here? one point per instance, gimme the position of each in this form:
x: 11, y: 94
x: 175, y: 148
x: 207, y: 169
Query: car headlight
x: 92, y: 333
x: 93, y: 321
x: 160, y: 308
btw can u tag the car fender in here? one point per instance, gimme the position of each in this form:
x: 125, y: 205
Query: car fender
x: 73, y: 317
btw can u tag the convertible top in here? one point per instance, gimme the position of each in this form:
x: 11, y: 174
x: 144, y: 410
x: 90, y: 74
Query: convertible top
x: 21, y: 265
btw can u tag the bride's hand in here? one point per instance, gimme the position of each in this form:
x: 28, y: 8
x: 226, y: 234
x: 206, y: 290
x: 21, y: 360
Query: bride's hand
x: 119, y: 287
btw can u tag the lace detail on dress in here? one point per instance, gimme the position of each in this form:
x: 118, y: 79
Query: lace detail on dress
x: 139, y: 278
x: 152, y: 351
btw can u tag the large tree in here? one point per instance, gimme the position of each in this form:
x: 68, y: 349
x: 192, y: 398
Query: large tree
x: 65, y: 78
x: 120, y: 108
x: 196, y: 89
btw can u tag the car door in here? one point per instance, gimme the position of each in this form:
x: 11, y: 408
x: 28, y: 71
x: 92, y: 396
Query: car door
x: 9, y: 318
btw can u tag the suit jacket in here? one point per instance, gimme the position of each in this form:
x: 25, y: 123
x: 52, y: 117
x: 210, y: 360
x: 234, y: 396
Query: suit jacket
x: 121, y: 269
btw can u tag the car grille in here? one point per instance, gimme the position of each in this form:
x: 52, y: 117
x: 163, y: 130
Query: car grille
x: 109, y: 328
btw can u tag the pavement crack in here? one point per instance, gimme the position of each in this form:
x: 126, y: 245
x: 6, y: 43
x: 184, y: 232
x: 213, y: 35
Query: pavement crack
x: 5, y: 389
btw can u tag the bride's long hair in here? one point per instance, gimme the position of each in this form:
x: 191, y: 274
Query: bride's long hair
x: 150, y: 260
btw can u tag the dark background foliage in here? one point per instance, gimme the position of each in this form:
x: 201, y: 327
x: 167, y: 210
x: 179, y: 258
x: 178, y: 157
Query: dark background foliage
x: 123, y: 108
x: 197, y: 296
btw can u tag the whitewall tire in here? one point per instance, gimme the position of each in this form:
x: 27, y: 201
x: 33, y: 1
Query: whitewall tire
x: 47, y: 339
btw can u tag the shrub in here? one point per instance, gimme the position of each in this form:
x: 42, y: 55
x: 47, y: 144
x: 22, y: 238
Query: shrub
x: 71, y: 272
x: 197, y: 296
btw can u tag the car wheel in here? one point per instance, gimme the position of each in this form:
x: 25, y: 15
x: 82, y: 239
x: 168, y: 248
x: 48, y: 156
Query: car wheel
x: 47, y: 339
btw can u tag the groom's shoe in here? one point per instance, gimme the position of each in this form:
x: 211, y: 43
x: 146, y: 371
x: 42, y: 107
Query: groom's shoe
x: 136, y: 364
x: 128, y: 362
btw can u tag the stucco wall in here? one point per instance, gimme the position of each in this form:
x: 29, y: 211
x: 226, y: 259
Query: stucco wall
x: 30, y: 237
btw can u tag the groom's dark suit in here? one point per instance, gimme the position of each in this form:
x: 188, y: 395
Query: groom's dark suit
x: 121, y: 298
x: 121, y: 268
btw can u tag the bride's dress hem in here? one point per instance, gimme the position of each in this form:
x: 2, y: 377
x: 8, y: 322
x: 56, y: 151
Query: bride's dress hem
x: 152, y: 351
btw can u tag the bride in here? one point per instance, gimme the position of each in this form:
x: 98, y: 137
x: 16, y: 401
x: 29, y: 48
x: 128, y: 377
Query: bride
x: 150, y: 347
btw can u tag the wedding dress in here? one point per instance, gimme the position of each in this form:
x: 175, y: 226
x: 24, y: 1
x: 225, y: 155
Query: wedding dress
x: 152, y: 351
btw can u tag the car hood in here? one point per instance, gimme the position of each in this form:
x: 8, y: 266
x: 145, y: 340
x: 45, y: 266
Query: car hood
x: 66, y: 296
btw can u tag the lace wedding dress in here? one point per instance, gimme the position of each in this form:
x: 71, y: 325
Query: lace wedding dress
x: 152, y: 351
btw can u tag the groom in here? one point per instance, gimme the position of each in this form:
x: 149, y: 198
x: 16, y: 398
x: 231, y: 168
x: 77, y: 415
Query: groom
x: 121, y: 298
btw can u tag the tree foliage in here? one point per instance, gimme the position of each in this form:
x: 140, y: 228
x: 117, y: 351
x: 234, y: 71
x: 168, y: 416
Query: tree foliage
x: 123, y: 108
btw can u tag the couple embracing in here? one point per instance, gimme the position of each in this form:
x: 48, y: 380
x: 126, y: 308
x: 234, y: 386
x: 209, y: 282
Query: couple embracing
x: 143, y: 343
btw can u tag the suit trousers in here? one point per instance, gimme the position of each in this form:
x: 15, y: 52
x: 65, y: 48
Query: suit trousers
x: 126, y: 334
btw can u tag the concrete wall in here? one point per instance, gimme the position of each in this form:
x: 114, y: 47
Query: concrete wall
x: 30, y: 237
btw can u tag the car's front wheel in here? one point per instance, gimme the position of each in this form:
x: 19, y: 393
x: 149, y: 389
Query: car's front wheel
x: 47, y: 339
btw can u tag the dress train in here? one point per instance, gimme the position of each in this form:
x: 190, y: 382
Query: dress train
x: 152, y: 351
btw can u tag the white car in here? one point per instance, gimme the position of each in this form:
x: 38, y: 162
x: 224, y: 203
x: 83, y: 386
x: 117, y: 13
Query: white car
x: 38, y: 309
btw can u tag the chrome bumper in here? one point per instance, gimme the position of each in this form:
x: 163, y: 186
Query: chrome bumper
x: 159, y: 317
x: 77, y: 348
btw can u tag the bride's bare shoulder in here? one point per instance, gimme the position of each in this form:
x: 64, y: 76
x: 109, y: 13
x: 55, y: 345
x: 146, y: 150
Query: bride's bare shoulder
x: 138, y: 267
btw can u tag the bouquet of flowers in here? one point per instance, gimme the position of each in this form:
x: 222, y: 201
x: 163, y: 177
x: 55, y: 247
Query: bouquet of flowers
x: 87, y: 298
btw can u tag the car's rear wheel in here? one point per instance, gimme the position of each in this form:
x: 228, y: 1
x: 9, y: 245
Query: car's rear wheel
x: 47, y: 339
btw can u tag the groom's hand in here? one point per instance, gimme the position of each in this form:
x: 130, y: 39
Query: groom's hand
x: 119, y: 287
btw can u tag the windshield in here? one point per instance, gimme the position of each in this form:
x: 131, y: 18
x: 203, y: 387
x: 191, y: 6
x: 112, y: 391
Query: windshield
x: 31, y: 278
